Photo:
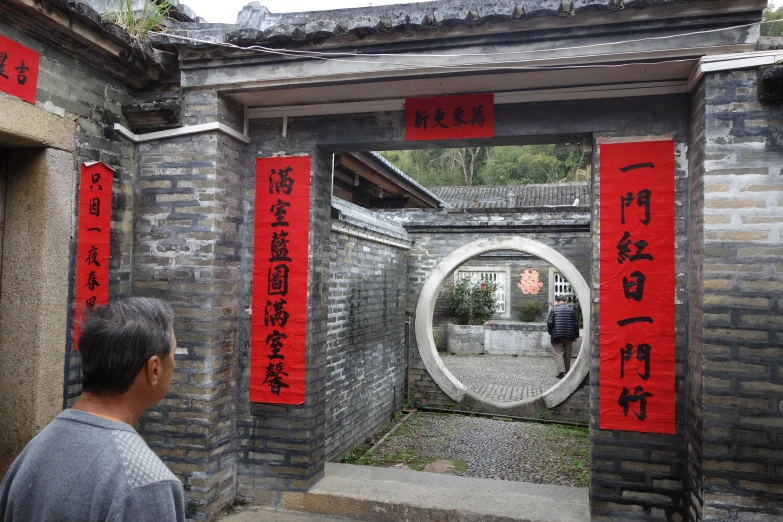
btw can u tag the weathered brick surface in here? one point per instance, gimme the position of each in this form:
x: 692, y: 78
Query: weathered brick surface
x: 365, y: 358
x: 742, y: 466
x: 637, y: 476
x: 283, y: 447
x: 188, y: 213
x: 92, y: 98
x: 695, y: 302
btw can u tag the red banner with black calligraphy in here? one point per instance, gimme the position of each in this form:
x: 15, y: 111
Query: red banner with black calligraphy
x: 278, y: 323
x: 450, y: 117
x: 18, y: 70
x: 93, y: 252
x: 637, y: 371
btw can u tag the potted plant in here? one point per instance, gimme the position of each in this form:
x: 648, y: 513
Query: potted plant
x: 473, y: 303
x: 529, y: 311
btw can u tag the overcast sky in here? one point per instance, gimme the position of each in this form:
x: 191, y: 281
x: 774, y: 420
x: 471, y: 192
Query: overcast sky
x: 225, y: 11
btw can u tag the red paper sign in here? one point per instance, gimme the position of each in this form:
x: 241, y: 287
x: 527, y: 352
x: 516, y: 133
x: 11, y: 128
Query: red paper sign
x: 94, y: 233
x: 18, y: 70
x: 450, y: 117
x: 278, y: 324
x: 637, y: 287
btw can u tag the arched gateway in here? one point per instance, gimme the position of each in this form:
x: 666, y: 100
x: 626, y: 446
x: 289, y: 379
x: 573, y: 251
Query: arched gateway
x: 426, y: 344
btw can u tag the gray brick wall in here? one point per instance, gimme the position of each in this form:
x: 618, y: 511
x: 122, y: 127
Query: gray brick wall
x: 91, y: 98
x: 188, y: 214
x: 695, y: 313
x: 365, y: 356
x: 742, y: 467
x: 638, y: 476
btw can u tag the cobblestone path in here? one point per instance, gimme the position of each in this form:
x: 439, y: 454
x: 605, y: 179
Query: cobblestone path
x: 503, y: 378
x: 487, y: 448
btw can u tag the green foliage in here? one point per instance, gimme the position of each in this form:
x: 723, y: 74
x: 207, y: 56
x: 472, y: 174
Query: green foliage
x: 472, y: 302
x: 529, y: 311
x: 137, y: 23
x: 517, y: 165
x: 573, y: 302
x: 774, y: 29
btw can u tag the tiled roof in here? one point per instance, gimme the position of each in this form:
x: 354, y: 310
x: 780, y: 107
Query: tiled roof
x: 519, y: 196
x: 256, y: 23
x: 405, y: 177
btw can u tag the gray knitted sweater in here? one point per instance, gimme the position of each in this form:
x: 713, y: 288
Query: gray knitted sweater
x: 84, y: 468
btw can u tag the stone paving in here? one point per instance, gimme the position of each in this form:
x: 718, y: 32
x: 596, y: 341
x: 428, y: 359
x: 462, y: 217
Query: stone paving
x: 503, y: 378
x: 487, y: 448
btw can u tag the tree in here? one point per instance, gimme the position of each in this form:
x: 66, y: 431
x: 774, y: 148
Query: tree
x: 516, y: 165
x: 775, y: 29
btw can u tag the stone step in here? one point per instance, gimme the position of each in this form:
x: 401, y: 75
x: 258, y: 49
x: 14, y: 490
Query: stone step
x: 398, y: 495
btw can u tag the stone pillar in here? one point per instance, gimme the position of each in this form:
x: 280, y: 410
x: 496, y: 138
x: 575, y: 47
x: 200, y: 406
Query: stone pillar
x: 641, y: 476
x: 281, y: 448
x: 34, y: 294
x: 187, y: 251
x: 742, y: 326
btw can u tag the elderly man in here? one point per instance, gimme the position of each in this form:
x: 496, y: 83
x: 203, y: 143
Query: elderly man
x: 89, y: 464
x: 563, y: 330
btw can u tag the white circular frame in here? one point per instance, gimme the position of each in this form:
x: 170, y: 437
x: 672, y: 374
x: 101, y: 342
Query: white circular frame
x: 426, y: 306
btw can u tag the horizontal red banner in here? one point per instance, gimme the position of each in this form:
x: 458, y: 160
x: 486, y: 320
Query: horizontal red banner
x: 94, y: 241
x: 278, y: 324
x: 18, y: 70
x: 450, y: 117
x: 637, y: 371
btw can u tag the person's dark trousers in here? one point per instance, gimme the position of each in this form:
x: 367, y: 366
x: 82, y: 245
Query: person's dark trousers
x: 561, y: 350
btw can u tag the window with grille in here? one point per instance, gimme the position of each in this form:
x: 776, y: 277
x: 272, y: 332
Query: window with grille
x: 496, y: 276
x: 562, y: 286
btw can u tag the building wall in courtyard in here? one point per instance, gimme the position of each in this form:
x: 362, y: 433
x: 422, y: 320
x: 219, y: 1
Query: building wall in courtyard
x: 365, y: 357
x: 438, y: 234
x: 517, y: 264
x: 742, y: 381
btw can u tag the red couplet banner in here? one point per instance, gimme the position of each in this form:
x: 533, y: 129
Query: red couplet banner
x: 637, y: 287
x: 94, y: 241
x: 18, y: 70
x: 278, y: 324
x: 450, y: 117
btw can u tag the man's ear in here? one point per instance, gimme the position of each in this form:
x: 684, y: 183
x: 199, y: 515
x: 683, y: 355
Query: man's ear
x: 153, y: 369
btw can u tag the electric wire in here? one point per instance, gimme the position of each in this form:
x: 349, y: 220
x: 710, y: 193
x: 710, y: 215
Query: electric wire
x: 328, y: 55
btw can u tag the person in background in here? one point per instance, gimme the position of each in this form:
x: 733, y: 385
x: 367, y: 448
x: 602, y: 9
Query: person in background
x: 89, y: 464
x: 563, y: 330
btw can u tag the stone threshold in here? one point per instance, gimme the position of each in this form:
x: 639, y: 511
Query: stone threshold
x: 391, y: 495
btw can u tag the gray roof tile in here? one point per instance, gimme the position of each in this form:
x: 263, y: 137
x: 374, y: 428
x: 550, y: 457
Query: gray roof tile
x: 514, y: 196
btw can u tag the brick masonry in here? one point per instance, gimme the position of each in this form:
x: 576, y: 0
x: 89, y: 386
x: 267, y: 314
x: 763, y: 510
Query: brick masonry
x: 742, y: 326
x: 188, y: 217
x: 366, y: 349
x: 637, y: 476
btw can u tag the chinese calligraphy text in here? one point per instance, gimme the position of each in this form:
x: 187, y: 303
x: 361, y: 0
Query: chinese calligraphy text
x: 450, y: 117
x: 18, y: 70
x: 93, y: 250
x: 637, y: 368
x: 279, y: 305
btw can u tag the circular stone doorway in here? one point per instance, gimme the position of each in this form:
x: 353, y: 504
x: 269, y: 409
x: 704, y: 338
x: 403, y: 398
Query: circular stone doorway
x: 429, y: 353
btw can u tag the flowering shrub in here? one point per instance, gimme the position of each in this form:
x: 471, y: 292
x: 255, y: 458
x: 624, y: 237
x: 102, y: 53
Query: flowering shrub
x: 472, y: 302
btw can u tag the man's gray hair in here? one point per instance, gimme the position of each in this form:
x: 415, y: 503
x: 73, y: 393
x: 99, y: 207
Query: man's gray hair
x: 118, y: 339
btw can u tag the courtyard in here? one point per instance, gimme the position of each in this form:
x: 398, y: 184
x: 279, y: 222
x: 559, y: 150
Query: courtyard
x: 503, y: 378
x: 482, y: 447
